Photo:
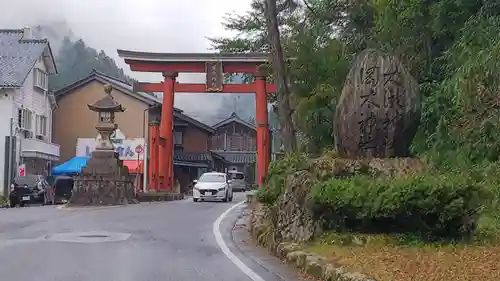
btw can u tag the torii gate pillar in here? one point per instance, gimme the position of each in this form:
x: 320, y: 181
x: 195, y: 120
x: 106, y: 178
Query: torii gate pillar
x: 154, y: 138
x: 166, y: 165
x: 214, y: 65
x: 261, y: 120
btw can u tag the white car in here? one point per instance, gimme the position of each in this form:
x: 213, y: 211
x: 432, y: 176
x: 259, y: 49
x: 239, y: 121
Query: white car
x: 212, y: 185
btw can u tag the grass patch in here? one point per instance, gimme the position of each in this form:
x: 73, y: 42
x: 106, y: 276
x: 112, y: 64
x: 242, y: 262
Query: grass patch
x: 407, y: 258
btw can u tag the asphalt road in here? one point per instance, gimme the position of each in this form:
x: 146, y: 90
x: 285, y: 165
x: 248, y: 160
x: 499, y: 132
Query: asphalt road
x: 155, y: 241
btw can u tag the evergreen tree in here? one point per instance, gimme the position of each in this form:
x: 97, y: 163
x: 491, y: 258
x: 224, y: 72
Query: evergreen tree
x: 76, y: 60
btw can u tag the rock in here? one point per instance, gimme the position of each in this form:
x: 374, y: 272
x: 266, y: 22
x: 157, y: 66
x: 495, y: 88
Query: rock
x: 298, y: 258
x: 314, y: 265
x: 293, y: 220
x: 379, y: 109
x: 250, y: 197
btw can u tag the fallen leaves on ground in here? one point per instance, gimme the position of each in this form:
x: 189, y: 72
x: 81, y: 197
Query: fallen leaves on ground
x: 425, y: 263
x: 308, y: 277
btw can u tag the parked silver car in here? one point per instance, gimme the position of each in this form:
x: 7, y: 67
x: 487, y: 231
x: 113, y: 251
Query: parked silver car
x: 238, y: 182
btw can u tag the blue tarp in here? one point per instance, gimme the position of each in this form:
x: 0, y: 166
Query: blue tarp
x: 73, y: 166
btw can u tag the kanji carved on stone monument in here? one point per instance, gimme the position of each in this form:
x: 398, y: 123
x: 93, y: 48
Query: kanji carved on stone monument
x: 379, y: 109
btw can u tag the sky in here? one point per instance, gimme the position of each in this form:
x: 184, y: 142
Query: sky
x: 140, y: 25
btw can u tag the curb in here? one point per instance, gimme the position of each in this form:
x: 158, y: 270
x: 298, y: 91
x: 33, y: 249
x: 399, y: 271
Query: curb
x: 294, y: 254
x: 160, y: 197
x: 314, y: 264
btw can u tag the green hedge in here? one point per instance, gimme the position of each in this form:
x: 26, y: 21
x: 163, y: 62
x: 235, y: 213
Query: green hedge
x: 429, y: 205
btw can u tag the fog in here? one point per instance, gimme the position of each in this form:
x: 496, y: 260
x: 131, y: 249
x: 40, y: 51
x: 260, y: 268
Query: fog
x: 146, y: 25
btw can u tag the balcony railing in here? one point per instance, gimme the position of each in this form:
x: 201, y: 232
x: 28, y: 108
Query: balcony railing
x: 39, y: 149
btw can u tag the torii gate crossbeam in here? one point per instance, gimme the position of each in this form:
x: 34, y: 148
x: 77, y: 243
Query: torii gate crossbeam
x: 214, y: 65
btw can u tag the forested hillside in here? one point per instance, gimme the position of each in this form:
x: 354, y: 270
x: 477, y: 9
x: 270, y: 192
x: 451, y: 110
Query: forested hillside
x: 430, y: 215
x: 75, y: 61
x: 74, y: 58
x: 451, y: 48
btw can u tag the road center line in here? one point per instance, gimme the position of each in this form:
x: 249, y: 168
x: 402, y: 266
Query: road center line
x: 225, y: 249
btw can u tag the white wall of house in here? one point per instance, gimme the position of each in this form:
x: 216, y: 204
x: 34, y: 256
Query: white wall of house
x: 28, y: 97
x: 6, y: 97
x: 35, y: 100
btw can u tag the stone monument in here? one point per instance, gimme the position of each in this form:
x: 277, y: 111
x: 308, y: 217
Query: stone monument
x: 379, y: 109
x: 105, y: 180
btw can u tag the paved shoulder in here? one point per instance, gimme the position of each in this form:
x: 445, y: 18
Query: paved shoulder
x: 257, y: 259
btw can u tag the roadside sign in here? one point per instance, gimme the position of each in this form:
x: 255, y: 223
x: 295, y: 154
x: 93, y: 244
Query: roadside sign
x: 22, y: 170
x: 139, y: 149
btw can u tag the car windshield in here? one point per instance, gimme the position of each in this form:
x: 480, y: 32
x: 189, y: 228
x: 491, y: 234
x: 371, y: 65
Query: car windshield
x: 212, y: 178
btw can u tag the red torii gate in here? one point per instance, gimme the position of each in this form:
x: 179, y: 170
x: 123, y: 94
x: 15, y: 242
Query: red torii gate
x: 214, y: 65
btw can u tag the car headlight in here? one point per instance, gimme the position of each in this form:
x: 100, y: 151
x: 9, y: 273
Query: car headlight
x: 221, y: 188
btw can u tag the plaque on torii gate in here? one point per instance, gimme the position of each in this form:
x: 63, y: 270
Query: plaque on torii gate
x: 215, y: 77
x: 214, y: 65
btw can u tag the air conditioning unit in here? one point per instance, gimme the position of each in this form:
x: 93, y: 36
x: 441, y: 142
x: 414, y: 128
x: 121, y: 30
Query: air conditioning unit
x: 27, y: 134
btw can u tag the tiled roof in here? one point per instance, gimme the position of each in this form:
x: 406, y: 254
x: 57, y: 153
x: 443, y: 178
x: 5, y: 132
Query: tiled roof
x: 190, y: 156
x: 238, y: 157
x: 107, y: 103
x: 18, y: 56
x: 234, y: 118
x: 197, y: 57
x: 182, y: 156
x: 190, y: 164
x: 127, y: 89
x: 122, y: 86
x: 186, y: 118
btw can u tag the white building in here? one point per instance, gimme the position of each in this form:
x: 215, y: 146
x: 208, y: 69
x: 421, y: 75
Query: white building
x: 25, y: 105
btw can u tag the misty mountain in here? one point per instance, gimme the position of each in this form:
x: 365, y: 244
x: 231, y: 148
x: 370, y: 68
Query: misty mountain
x: 75, y: 60
x: 55, y: 32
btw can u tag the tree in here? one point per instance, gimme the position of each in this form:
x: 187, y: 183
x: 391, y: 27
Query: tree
x: 76, y: 60
x: 449, y: 46
x: 284, y: 111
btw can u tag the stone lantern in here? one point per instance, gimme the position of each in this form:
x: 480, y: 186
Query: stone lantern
x: 105, y: 180
x: 106, y: 109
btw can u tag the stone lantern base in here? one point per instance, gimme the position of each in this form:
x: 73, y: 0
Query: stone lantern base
x: 104, y: 181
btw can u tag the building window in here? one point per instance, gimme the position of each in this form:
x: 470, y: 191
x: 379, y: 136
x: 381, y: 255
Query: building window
x: 177, y: 138
x: 41, y: 125
x: 24, y: 119
x: 41, y: 79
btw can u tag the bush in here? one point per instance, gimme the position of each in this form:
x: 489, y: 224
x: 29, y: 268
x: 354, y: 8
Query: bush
x: 429, y: 205
x: 327, y: 167
x: 276, y: 176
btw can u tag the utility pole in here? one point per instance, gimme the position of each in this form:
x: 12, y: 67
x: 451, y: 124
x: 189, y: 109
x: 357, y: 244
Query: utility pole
x: 13, y: 131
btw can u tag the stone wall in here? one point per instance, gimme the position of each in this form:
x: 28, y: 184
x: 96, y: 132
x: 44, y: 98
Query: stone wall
x: 272, y: 228
x: 97, y: 191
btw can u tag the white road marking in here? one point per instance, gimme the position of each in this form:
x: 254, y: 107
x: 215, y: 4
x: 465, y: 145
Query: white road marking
x: 225, y: 249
